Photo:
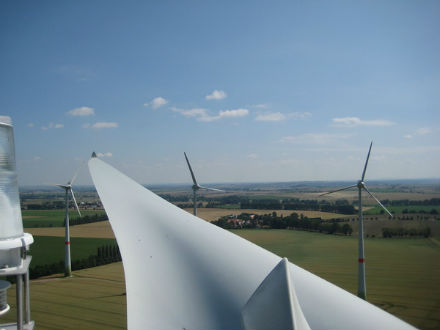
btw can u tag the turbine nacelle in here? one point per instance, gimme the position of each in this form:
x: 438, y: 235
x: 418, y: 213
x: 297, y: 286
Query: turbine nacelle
x: 361, y: 184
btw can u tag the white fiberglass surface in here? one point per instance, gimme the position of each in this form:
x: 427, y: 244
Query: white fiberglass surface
x: 11, y: 224
x: 184, y: 273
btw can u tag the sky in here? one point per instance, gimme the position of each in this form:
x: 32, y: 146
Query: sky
x: 252, y: 91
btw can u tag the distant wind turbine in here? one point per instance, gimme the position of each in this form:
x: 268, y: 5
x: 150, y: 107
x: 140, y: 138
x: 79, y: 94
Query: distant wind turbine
x: 362, y: 290
x: 196, y: 186
x: 68, y: 187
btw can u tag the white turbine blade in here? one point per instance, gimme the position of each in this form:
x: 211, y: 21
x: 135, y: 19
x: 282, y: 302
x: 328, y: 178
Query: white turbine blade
x: 76, y: 172
x: 61, y: 186
x: 213, y: 189
x: 190, y: 169
x: 183, y: 272
x: 285, y: 312
x: 74, y: 201
x: 366, y: 162
x: 333, y: 191
x: 386, y: 210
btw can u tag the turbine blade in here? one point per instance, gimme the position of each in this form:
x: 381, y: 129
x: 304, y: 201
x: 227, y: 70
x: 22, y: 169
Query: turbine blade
x: 76, y: 172
x: 366, y: 163
x: 74, y: 201
x: 190, y: 169
x: 61, y: 186
x: 213, y: 189
x: 345, y: 188
x: 386, y: 210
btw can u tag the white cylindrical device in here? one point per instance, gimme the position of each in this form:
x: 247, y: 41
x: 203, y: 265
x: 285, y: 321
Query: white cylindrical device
x: 11, y: 224
x: 4, y: 307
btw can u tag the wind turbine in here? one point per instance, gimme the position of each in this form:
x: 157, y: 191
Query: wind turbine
x: 196, y: 186
x: 68, y: 187
x: 362, y: 290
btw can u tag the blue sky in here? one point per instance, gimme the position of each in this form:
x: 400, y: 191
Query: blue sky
x: 251, y: 90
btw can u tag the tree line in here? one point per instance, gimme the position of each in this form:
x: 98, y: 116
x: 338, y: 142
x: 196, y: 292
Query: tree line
x: 88, y: 219
x: 406, y: 232
x: 105, y: 254
x: 293, y: 221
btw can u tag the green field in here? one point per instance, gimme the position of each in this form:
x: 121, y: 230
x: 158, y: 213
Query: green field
x: 51, y: 218
x: 402, y: 278
x: 48, y: 249
x: 401, y: 208
x: 93, y: 298
x: 402, y: 274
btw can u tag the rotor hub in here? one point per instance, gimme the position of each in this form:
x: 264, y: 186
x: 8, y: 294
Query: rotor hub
x: 361, y: 184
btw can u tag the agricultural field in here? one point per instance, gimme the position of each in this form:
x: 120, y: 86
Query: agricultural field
x: 402, y: 274
x: 93, y: 298
x: 406, y: 209
x: 47, y: 250
x: 212, y: 214
x: 101, y: 229
x: 51, y: 218
x: 401, y: 278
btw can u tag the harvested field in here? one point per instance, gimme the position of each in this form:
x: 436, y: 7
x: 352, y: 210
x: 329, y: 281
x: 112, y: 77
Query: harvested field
x: 100, y: 229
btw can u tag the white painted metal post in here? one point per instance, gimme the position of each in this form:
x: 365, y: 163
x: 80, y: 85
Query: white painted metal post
x: 27, y: 299
x: 19, y: 298
x: 195, y: 202
x: 362, y: 290
x: 67, y: 263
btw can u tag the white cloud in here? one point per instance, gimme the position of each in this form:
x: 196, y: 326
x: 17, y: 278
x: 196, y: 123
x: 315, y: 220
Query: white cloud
x: 106, y: 154
x: 37, y: 158
x: 261, y: 106
x: 216, y: 95
x: 6, y: 120
x: 299, y: 115
x: 81, y: 111
x: 418, y: 132
x: 52, y: 125
x: 356, y: 121
x: 252, y: 156
x: 196, y: 112
x: 225, y: 114
x: 271, y: 116
x: 423, y: 131
x: 104, y: 124
x: 315, y: 138
x: 30, y: 125
x: 202, y: 114
x: 157, y: 102
x: 278, y: 116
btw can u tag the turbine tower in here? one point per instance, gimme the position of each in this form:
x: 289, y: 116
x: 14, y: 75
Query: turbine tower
x: 196, y: 186
x: 362, y: 290
x: 68, y: 187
